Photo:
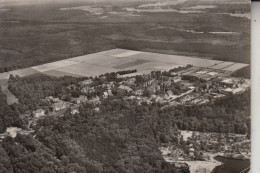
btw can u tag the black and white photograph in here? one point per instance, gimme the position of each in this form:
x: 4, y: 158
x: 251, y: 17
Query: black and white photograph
x: 125, y: 86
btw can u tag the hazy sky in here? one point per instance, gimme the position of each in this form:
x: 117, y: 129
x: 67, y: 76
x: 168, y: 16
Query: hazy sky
x: 27, y: 2
x: 61, y: 1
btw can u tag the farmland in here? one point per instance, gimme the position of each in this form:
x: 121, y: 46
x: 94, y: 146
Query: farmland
x: 121, y: 59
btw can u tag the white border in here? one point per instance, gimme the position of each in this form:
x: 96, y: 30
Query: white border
x: 255, y: 76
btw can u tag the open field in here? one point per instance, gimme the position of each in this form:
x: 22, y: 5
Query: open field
x: 130, y: 64
x: 24, y: 72
x: 222, y: 65
x: 174, y: 59
x: 85, y: 69
x: 109, y: 61
x: 57, y: 73
x: 234, y: 67
x: 53, y: 65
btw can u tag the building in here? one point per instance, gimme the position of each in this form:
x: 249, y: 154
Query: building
x: 123, y: 87
x: 166, y: 96
x: 38, y: 113
x: 191, y: 152
x: 181, y: 165
x: 192, y: 87
x: 86, y: 82
x: 151, y: 89
x: 131, y: 81
x: 50, y: 98
x: 88, y: 89
x: 177, y: 79
x: 60, y: 106
x: 227, y: 91
x: 94, y: 101
x: 110, y: 85
x: 109, y: 92
x: 105, y: 94
x: 139, y: 92
x: 170, y: 93
x: 74, y: 111
x: 97, y: 109
x: 81, y: 99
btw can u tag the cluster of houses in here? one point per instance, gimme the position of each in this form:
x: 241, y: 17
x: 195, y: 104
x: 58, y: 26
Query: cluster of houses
x: 219, y: 143
x: 198, y: 145
x: 191, y: 85
x: 187, y: 85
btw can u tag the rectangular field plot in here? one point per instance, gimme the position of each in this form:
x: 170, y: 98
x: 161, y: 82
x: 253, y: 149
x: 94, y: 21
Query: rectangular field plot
x: 85, y: 69
x: 116, y: 62
x: 222, y: 65
x: 235, y: 67
x: 60, y: 74
x: 127, y: 53
x: 91, y: 58
x: 53, y: 65
x: 175, y: 59
x: 112, y: 52
x: 24, y: 72
x: 148, y: 66
x: 130, y: 64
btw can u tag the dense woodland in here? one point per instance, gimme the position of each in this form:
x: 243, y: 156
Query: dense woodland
x: 32, y: 89
x: 9, y: 115
x: 122, y: 137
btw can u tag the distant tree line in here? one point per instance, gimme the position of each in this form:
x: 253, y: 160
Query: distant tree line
x: 126, y: 72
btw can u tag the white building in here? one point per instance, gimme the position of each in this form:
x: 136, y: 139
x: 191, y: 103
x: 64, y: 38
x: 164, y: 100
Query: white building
x: 38, y: 113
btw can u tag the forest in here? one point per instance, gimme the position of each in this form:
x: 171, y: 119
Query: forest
x: 9, y: 115
x: 123, y: 136
x: 32, y: 89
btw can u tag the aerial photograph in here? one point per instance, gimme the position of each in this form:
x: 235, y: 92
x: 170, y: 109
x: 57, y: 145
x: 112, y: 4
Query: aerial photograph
x: 125, y: 86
